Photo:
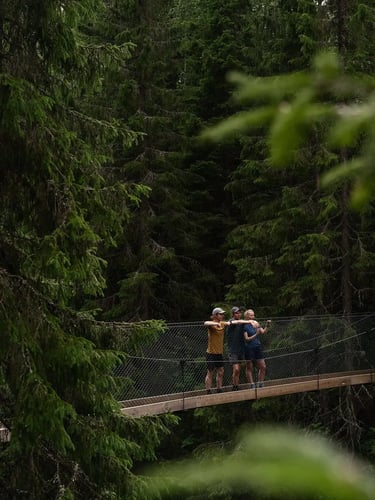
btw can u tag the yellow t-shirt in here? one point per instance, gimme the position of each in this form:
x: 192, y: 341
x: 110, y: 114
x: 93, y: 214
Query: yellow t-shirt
x: 216, y: 338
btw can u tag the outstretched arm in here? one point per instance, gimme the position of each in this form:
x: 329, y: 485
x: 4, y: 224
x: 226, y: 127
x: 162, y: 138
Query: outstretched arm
x: 266, y: 326
x: 215, y: 323
x: 211, y: 323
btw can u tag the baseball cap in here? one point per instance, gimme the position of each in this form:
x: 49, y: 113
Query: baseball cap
x: 235, y: 309
x: 218, y: 310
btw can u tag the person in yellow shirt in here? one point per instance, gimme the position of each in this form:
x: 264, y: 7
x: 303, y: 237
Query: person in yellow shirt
x: 214, y: 354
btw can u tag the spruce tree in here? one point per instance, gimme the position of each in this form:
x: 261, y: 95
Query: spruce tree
x: 155, y: 270
x: 297, y: 238
x: 60, y: 206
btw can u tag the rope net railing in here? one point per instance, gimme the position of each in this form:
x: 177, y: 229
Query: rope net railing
x: 294, y: 347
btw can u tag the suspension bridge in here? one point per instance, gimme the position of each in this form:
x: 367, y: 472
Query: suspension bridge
x: 309, y: 353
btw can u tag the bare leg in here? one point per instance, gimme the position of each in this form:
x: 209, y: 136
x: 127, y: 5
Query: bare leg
x: 219, y: 377
x: 208, y: 379
x: 236, y: 369
x: 249, y: 372
x: 261, y: 365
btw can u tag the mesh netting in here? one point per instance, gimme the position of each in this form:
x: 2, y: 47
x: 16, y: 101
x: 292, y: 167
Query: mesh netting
x: 294, y: 347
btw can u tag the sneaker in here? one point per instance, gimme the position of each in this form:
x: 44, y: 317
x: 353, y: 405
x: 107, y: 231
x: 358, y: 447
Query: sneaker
x: 219, y: 389
x: 209, y: 391
x: 235, y: 388
x: 260, y: 384
x: 252, y: 386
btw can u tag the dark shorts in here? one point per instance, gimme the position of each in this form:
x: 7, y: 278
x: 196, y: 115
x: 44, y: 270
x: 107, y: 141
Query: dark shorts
x: 214, y: 361
x: 254, y: 353
x: 236, y: 357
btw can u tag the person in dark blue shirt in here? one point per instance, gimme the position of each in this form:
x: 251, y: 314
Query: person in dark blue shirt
x: 236, y: 344
x: 253, y: 348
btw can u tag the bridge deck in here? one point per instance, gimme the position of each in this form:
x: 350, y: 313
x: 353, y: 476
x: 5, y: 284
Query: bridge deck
x: 197, y: 399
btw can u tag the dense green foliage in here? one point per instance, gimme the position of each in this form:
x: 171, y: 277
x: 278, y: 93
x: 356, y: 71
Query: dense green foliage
x: 296, y: 237
x: 219, y: 220
x: 151, y: 271
x: 61, y: 206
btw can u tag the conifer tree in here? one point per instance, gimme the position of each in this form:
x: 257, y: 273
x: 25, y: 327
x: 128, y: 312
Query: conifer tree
x: 60, y: 205
x: 213, y: 39
x: 297, y: 238
x: 155, y: 270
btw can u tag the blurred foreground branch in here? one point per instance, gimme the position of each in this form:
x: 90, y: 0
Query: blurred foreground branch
x: 291, y: 106
x: 272, y: 462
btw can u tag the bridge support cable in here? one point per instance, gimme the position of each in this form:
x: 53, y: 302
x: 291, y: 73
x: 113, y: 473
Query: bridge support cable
x: 182, y: 366
x: 316, y: 356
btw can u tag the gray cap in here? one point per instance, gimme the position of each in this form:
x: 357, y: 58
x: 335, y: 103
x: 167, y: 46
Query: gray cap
x: 235, y: 309
x: 218, y: 310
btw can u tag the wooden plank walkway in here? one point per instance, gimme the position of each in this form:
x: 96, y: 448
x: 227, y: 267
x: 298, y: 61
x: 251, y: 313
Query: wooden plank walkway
x: 197, y: 399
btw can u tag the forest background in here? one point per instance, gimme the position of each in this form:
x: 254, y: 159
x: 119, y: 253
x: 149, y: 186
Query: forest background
x: 115, y: 217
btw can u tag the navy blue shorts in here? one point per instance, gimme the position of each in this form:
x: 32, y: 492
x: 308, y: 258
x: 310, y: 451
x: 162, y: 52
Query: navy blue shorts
x: 214, y: 361
x: 255, y: 352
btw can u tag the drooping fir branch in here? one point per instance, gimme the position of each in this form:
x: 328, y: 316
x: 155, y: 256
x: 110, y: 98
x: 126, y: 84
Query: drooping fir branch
x: 57, y: 393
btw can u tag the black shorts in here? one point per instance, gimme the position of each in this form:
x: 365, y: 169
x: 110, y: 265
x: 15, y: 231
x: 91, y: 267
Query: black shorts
x: 214, y: 361
x: 236, y: 357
